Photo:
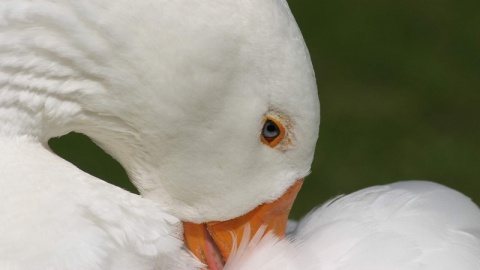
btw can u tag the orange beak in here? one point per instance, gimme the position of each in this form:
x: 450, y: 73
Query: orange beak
x: 212, y: 242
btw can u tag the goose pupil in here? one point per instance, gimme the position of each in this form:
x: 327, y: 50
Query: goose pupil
x: 270, y: 130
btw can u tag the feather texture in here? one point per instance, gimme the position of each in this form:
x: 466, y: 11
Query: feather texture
x: 66, y: 219
x: 411, y: 225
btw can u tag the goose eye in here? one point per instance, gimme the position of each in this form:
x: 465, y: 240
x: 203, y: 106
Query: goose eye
x: 272, y: 132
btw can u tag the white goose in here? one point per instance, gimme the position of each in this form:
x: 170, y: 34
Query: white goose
x: 211, y: 107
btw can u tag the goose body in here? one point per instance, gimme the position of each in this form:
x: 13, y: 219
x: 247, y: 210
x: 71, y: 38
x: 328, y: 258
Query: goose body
x: 411, y: 225
x: 212, y: 109
x: 55, y: 216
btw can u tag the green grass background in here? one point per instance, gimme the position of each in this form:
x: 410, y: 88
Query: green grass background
x: 399, y: 85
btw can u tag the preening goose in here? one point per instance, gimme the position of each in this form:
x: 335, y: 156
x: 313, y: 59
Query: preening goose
x: 212, y: 109
x: 210, y: 106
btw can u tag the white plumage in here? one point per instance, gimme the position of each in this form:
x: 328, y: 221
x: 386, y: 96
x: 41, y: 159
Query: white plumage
x: 412, y: 225
x: 177, y: 92
x: 55, y: 216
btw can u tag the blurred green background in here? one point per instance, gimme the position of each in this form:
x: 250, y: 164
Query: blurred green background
x: 399, y: 84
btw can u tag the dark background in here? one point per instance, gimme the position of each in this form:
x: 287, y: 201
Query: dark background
x: 399, y: 85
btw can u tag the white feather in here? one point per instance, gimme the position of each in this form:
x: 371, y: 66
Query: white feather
x: 66, y: 219
x: 403, y: 226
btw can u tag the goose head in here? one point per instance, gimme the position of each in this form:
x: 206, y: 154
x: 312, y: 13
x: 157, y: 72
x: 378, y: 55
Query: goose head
x: 211, y: 107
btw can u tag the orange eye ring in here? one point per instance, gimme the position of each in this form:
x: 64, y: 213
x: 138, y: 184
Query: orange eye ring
x: 273, y: 132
